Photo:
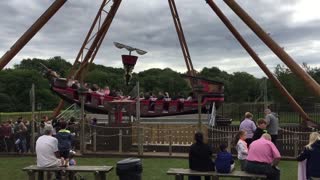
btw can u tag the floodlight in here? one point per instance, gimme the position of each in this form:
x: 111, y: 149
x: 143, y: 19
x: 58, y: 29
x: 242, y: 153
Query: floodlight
x: 118, y: 45
x: 129, y: 48
x: 141, y: 52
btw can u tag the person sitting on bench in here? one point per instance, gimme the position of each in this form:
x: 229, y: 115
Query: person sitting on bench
x: 263, y: 157
x: 47, y: 150
x: 200, y: 157
x: 224, y: 161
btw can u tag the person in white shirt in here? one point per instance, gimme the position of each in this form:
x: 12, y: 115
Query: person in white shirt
x: 242, y: 148
x: 47, y: 149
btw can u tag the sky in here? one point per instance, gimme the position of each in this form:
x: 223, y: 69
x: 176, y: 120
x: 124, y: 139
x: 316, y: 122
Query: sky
x: 148, y: 25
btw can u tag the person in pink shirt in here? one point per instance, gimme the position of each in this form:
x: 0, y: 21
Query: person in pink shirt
x: 263, y: 157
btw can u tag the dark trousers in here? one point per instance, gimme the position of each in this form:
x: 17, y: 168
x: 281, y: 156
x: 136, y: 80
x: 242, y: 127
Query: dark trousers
x: 199, y: 178
x: 248, y: 141
x: 271, y: 172
x: 274, y: 139
x: 243, y: 164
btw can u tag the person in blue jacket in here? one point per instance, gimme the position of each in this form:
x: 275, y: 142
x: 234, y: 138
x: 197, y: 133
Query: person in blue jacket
x: 64, y: 142
x: 224, y: 161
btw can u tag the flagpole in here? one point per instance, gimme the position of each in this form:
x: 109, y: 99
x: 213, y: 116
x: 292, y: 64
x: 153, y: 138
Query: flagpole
x: 140, y: 147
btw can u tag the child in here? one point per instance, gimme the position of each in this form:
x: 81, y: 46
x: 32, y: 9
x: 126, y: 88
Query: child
x: 224, y: 162
x: 262, y: 125
x: 64, y: 143
x: 242, y: 148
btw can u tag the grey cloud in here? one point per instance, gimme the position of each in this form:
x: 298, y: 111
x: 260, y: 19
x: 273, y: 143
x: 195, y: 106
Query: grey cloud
x: 148, y: 25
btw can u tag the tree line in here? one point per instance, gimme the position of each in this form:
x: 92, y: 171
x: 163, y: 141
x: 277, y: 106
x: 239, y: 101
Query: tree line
x: 15, y: 83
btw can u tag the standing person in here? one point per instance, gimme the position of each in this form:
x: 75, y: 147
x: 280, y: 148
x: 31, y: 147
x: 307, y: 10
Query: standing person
x: 2, y: 141
x: 272, y: 125
x: 249, y: 126
x: 261, y: 129
x: 27, y: 134
x: 64, y: 142
x: 21, y: 136
x: 7, y: 134
x: 224, y: 161
x: 263, y: 157
x: 242, y: 148
x: 311, y: 153
x: 200, y: 157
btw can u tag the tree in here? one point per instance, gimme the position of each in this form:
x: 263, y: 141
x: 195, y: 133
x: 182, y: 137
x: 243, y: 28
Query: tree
x: 243, y: 87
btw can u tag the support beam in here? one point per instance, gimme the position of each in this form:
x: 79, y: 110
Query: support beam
x: 28, y: 35
x: 79, y: 67
x: 256, y: 58
x: 182, y: 40
x: 98, y: 37
x: 293, y: 66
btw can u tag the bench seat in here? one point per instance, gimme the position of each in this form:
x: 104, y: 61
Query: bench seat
x: 179, y: 173
x: 99, y: 171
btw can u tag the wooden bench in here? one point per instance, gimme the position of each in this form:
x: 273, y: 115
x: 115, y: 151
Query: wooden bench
x: 179, y: 173
x: 68, y: 172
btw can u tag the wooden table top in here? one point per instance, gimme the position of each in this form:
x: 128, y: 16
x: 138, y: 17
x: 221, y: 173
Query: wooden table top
x: 71, y: 168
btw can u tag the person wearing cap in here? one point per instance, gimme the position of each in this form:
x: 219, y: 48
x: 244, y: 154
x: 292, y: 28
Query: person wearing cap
x: 47, y: 149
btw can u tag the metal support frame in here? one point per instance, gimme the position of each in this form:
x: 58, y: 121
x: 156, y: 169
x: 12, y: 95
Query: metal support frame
x: 284, y: 56
x: 28, y: 35
x: 259, y: 62
x: 92, y: 42
x: 182, y: 40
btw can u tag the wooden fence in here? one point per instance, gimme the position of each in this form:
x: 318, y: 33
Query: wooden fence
x: 178, y: 137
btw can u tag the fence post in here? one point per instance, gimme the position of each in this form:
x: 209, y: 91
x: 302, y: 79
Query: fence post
x: 140, y: 141
x: 120, y: 140
x: 170, y: 143
x: 94, y: 139
x: 229, y: 142
x: 296, y: 141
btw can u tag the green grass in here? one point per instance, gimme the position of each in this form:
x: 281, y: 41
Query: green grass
x: 153, y: 168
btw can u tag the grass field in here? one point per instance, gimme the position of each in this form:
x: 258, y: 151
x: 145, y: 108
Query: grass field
x: 153, y: 168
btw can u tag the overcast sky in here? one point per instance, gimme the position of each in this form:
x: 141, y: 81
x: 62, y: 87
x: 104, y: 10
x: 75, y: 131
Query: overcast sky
x: 148, y: 25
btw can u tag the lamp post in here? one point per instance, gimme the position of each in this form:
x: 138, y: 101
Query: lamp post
x: 128, y: 60
x: 198, y: 89
x: 82, y: 92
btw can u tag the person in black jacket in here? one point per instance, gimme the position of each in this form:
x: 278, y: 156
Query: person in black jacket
x: 200, y: 157
x: 311, y: 152
x: 261, y: 129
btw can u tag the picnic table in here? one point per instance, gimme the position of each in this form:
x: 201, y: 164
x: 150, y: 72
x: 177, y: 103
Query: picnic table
x: 100, y: 172
x: 179, y: 173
